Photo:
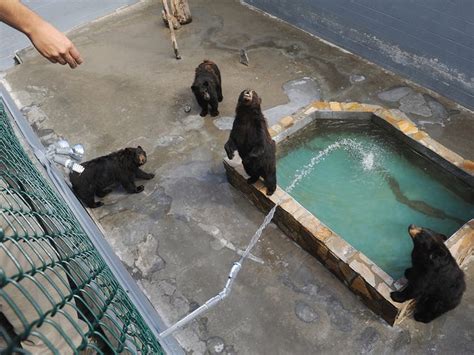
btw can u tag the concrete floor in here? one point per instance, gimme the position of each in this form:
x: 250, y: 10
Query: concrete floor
x: 180, y: 237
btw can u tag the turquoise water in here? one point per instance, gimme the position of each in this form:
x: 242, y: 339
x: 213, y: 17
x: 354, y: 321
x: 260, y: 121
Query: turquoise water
x: 369, y: 189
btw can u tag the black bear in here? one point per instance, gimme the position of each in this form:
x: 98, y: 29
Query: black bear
x: 100, y: 174
x: 435, y: 280
x: 250, y: 137
x: 207, y: 87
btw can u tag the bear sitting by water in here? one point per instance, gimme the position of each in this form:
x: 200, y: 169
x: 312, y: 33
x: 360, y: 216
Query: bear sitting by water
x: 435, y: 280
x: 250, y: 137
x: 207, y: 87
x: 100, y: 174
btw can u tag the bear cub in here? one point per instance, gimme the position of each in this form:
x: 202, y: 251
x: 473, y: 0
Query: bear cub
x: 250, y: 137
x: 207, y: 87
x: 435, y: 280
x: 100, y: 174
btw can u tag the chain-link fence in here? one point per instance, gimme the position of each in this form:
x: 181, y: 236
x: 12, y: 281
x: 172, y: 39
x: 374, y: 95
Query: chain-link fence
x: 57, y: 295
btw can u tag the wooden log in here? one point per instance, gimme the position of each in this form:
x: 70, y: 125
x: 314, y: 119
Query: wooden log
x: 180, y: 13
x: 173, y: 37
x: 180, y: 10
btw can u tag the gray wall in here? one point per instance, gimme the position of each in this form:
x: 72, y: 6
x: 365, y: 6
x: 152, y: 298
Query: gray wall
x: 428, y: 41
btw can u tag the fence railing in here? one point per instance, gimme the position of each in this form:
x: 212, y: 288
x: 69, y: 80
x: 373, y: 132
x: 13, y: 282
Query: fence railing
x: 57, y: 294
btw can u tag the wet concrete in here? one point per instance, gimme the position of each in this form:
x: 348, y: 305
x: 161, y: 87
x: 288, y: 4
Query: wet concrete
x: 300, y: 93
x: 180, y: 236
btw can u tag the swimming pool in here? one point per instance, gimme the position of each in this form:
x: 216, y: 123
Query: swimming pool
x: 359, y: 174
x: 371, y: 188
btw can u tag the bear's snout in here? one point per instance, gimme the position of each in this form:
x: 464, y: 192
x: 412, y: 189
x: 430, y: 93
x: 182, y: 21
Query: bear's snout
x: 247, y: 96
x: 142, y: 159
x: 413, y: 230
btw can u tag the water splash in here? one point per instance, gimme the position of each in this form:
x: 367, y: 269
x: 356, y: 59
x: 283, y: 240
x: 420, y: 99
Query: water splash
x: 299, y: 176
x: 368, y: 161
x: 365, y: 154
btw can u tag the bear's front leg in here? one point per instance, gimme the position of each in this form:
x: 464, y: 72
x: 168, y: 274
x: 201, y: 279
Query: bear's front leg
x: 140, y: 174
x: 203, y: 104
x: 230, y: 148
x: 129, y: 186
x: 407, y: 293
x: 219, y: 93
x: 409, y: 273
x: 271, y: 183
x: 214, y: 107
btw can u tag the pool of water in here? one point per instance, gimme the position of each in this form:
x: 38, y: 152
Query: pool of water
x: 371, y: 187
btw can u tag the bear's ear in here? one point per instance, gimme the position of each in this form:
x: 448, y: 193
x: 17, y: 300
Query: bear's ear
x: 193, y: 87
x: 139, y: 147
x: 259, y: 100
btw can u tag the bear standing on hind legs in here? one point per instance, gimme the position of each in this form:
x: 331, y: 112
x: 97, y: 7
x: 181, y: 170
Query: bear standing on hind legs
x: 207, y: 87
x: 250, y: 137
x: 435, y: 280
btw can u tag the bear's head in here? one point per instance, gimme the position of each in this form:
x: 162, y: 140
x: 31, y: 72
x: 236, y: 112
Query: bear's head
x: 202, y: 90
x: 138, y: 155
x: 429, y: 247
x: 249, y: 98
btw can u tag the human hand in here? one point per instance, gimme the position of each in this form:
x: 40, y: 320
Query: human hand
x: 54, y: 46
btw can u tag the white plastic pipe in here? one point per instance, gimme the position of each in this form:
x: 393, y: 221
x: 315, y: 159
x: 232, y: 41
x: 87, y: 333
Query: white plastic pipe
x: 209, y: 303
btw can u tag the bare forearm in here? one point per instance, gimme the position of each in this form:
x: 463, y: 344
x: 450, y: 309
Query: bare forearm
x: 51, y: 43
x: 18, y: 16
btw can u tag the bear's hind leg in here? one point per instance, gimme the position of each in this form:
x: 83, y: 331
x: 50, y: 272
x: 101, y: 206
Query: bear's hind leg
x: 103, y: 192
x: 90, y: 201
x: 252, y: 179
x: 427, y: 309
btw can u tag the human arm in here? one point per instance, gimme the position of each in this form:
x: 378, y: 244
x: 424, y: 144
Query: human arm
x: 49, y: 42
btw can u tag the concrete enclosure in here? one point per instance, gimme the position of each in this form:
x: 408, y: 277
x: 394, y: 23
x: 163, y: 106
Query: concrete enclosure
x: 427, y: 41
x: 179, y: 238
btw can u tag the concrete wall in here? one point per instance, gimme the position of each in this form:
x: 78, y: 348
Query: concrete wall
x: 428, y: 41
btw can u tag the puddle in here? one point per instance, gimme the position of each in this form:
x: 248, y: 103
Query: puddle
x: 300, y: 92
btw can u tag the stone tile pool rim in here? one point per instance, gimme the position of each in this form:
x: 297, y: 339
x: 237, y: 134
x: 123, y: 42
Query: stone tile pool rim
x: 351, y: 266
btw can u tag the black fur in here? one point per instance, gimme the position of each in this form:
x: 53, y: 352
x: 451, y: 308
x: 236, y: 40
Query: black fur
x: 250, y: 137
x: 435, y: 280
x: 207, y: 87
x: 101, y: 174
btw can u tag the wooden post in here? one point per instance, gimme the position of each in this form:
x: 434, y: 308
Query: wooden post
x: 173, y: 37
x: 180, y: 10
x: 180, y: 13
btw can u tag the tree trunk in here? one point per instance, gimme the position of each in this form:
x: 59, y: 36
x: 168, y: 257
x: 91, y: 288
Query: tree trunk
x: 180, y: 13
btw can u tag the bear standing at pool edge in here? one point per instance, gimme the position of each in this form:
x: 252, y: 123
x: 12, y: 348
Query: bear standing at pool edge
x: 250, y: 137
x: 100, y: 174
x: 435, y: 280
